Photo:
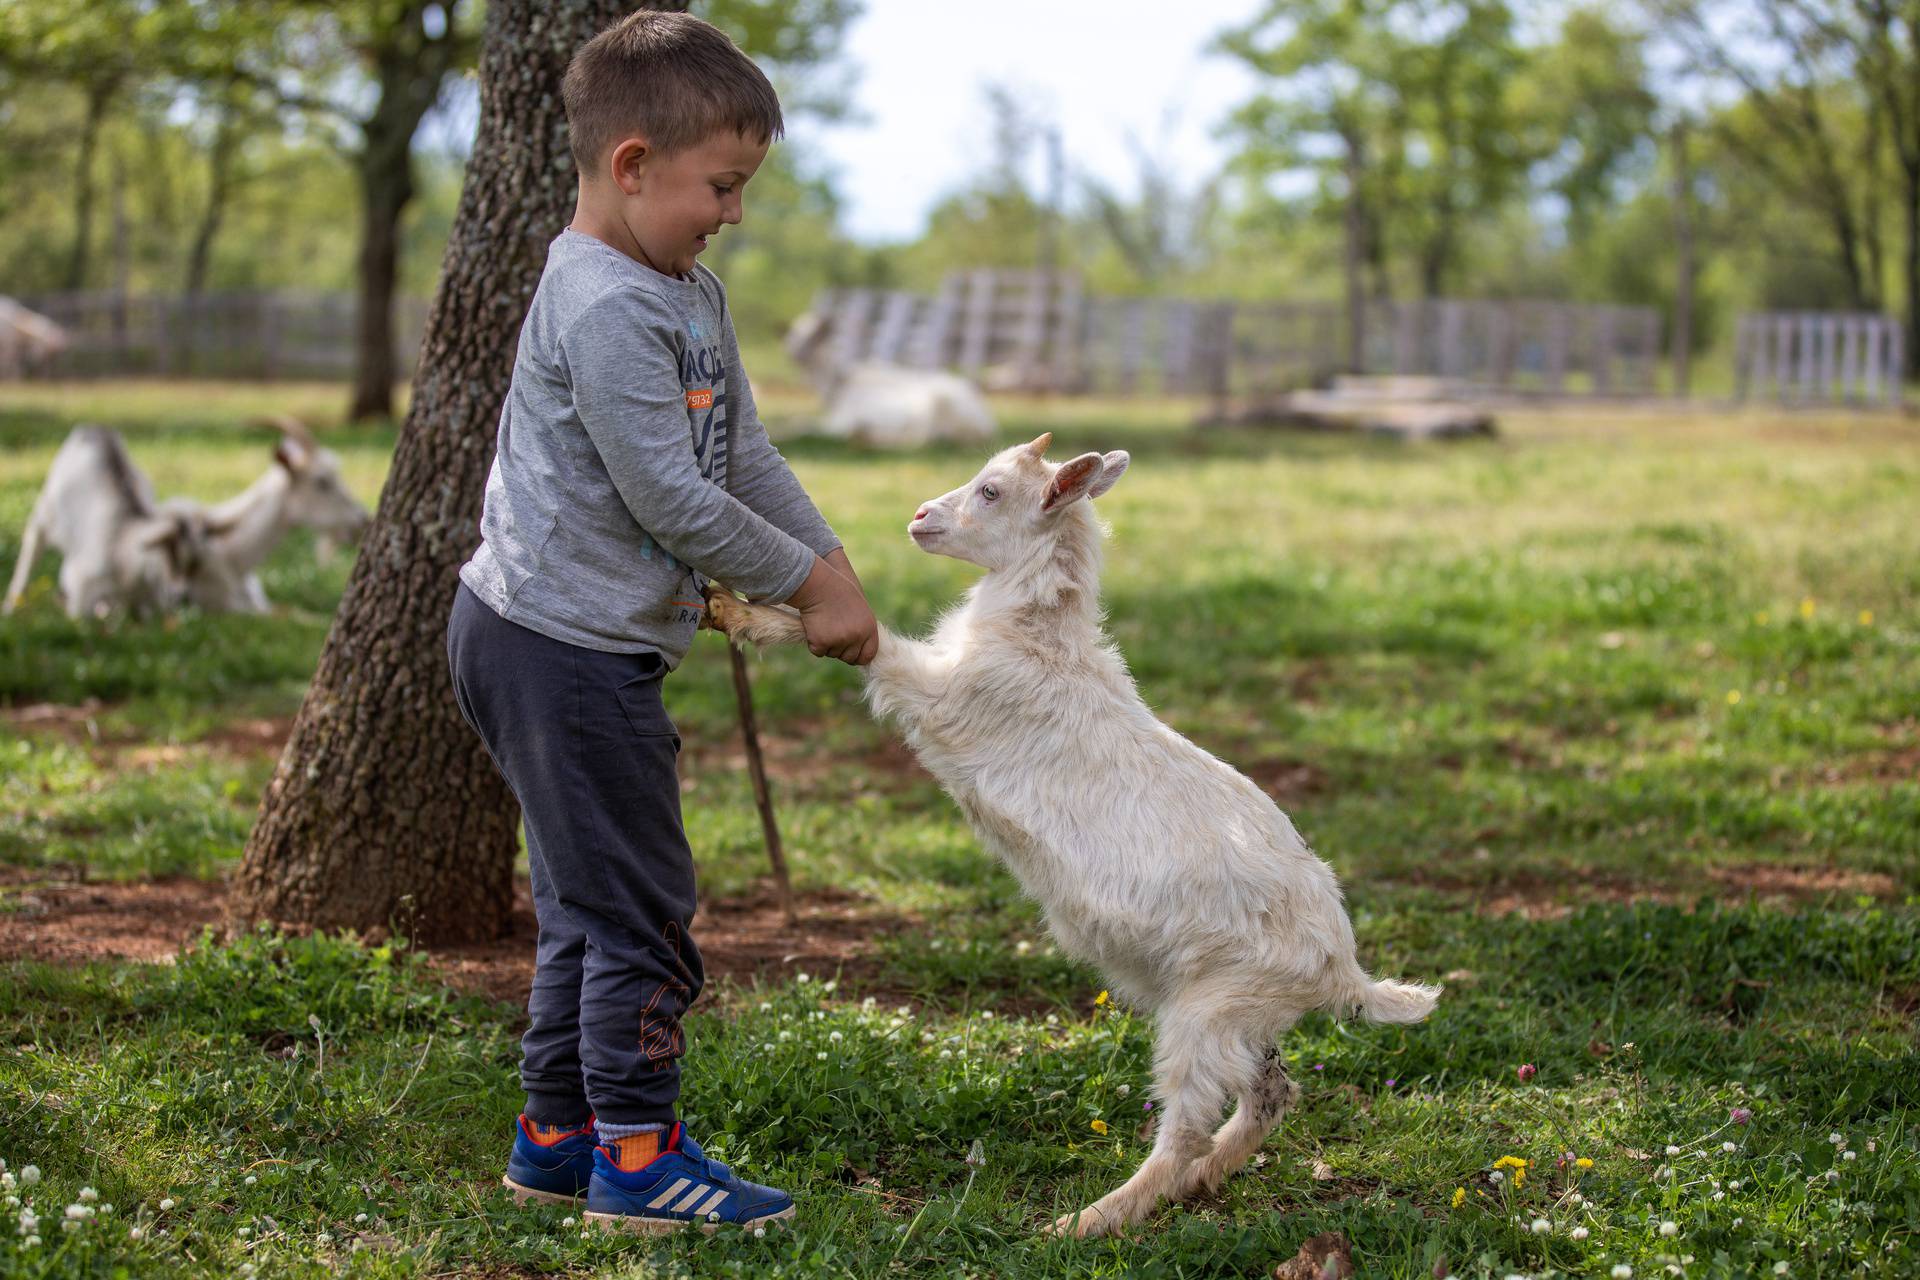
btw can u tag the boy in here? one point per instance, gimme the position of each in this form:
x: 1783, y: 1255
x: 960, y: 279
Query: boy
x: 630, y: 469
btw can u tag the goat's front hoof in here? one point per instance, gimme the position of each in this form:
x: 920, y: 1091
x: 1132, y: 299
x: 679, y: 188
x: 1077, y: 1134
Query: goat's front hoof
x: 724, y: 613
x: 1084, y: 1225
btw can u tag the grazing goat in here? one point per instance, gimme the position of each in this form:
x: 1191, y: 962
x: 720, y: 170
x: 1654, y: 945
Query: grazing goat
x: 118, y: 549
x: 302, y: 489
x: 1157, y: 863
x: 888, y: 405
x: 29, y: 341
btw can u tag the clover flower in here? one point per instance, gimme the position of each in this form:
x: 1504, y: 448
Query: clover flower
x: 1669, y: 1228
x: 1578, y: 1233
x: 88, y: 1195
x: 1621, y: 1271
x: 1740, y: 1115
x: 166, y: 1204
x: 1729, y: 1147
x: 1526, y: 1071
x: 1541, y: 1226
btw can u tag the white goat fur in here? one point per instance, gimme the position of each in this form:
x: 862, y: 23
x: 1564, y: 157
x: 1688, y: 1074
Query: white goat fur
x: 118, y: 550
x: 1155, y: 861
x: 887, y: 405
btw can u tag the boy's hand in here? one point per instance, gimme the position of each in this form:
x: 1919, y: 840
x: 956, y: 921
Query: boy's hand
x: 834, y: 613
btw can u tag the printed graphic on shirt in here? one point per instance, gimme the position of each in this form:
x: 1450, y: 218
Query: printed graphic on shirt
x: 703, y: 379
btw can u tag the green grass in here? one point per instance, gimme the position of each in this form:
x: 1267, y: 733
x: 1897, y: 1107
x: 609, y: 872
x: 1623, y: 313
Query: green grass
x: 1609, y: 724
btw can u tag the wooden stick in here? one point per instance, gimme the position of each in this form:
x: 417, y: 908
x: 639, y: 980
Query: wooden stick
x: 757, y: 770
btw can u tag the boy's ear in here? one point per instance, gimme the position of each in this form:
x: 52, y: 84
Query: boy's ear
x: 626, y: 160
x: 1112, y: 467
x: 1074, y: 479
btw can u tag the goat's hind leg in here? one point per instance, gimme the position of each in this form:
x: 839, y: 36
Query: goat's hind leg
x: 757, y: 624
x: 1264, y: 1102
x: 1195, y: 1071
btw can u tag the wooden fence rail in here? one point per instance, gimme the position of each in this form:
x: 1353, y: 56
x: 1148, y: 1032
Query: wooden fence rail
x: 229, y: 334
x: 1819, y: 357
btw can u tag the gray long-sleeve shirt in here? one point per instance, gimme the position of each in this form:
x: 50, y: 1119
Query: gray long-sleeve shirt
x: 631, y: 467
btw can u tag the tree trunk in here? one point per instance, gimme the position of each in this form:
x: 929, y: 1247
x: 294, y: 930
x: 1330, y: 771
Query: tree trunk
x: 1683, y: 252
x: 1910, y: 269
x: 98, y: 95
x: 409, y: 67
x: 385, y: 808
x: 200, y: 257
x: 1355, y: 225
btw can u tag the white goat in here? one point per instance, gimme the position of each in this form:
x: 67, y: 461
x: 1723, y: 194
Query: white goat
x: 884, y: 404
x: 118, y: 549
x: 1156, y: 862
x: 303, y: 489
x: 28, y: 340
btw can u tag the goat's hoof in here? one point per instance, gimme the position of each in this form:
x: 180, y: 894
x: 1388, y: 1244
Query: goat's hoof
x: 724, y: 613
x: 1084, y: 1225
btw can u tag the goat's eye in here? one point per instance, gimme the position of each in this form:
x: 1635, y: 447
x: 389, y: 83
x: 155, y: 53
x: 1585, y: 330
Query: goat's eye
x: 988, y: 492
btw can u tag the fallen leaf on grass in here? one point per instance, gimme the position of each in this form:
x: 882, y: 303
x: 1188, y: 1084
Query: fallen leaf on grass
x: 1327, y: 1256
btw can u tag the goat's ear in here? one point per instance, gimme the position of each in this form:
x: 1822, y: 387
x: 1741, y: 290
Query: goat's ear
x: 1038, y: 445
x: 1112, y: 467
x: 1074, y: 479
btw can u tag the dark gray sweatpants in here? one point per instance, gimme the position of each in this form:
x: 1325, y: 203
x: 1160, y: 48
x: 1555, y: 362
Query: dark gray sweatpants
x: 584, y: 740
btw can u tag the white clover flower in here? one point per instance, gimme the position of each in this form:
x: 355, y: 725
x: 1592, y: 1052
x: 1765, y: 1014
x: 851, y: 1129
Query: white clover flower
x: 835, y: 1036
x: 1780, y: 1268
x: 134, y: 1233
x: 1496, y: 1176
x: 244, y: 1232
x: 166, y: 1204
x: 759, y: 1233
x: 1719, y: 1195
x: 29, y: 1221
x: 7, y: 1179
x: 30, y: 1175
x: 250, y: 1179
x: 1621, y: 1271
x: 802, y: 977
x: 869, y: 1003
x: 786, y: 1035
x: 1833, y: 1175
x: 31, y: 1242
x: 1734, y: 1185
x: 88, y: 1195
x: 831, y: 986
x: 1729, y: 1146
x: 1053, y: 1019
x: 1576, y: 1199
x: 946, y: 1053
x: 1872, y: 1145
x: 75, y: 1212
x: 926, y: 1037
x: 986, y: 1015
x: 1124, y: 1090
x: 765, y: 1005
x: 1578, y: 1233
x: 1669, y: 1228
x: 325, y: 1237
x: 1541, y: 1226
x: 1837, y: 1141
x: 359, y: 1217
x: 69, y: 1225
x: 1022, y: 947
x: 821, y: 1056
x: 1672, y: 1150
x: 1849, y: 1155
x: 566, y: 1222
x: 766, y: 1046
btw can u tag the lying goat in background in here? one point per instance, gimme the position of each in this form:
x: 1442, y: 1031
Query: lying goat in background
x: 119, y: 550
x: 1156, y: 862
x: 94, y: 487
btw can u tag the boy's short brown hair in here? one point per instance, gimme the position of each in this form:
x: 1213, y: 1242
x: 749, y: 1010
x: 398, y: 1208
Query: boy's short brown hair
x: 669, y: 77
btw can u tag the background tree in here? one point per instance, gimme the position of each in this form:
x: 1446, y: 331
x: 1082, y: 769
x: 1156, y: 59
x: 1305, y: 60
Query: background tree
x: 385, y: 806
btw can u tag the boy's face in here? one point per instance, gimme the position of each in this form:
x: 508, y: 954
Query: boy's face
x: 671, y: 204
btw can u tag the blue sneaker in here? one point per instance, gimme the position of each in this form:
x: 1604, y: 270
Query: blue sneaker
x: 677, y: 1187
x: 554, y: 1170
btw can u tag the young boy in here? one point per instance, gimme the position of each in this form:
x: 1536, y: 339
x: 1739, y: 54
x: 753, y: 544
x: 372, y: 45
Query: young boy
x: 630, y: 470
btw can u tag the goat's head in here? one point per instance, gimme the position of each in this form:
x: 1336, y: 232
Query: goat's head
x: 171, y: 549
x: 317, y: 498
x: 1017, y: 502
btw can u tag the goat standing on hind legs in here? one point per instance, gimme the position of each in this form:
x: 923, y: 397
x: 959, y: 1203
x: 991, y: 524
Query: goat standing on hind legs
x: 1157, y: 863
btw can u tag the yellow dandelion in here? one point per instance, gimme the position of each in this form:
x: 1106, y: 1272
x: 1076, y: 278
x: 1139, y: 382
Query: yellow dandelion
x: 1509, y: 1162
x: 1583, y: 1163
x: 1101, y: 998
x: 1733, y: 697
x: 1866, y: 617
x: 1806, y: 607
x: 1519, y: 1178
x: 1099, y: 1126
x: 1459, y: 1196
x: 1760, y: 618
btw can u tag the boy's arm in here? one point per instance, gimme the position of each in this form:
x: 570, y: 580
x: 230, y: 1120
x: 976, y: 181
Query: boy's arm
x: 620, y: 360
x: 758, y: 475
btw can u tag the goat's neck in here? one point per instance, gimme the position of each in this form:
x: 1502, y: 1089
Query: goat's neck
x: 255, y: 519
x: 1058, y: 583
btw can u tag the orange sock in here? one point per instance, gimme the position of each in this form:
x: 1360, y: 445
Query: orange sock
x: 636, y: 1149
x: 548, y: 1134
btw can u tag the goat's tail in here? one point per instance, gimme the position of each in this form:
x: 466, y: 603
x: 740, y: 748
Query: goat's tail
x: 1390, y: 1000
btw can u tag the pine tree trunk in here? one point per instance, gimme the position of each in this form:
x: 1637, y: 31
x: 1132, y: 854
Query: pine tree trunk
x: 384, y: 808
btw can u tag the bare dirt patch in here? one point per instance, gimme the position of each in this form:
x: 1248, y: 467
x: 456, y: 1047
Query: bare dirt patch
x: 46, y: 918
x: 1540, y: 896
x: 87, y: 725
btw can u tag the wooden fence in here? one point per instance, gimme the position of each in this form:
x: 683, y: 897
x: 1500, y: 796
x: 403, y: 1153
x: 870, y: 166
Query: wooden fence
x: 235, y: 335
x: 1819, y: 357
x: 1037, y: 331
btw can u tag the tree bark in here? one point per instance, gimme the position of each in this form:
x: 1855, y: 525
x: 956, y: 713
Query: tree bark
x: 99, y: 94
x: 385, y: 810
x: 1683, y: 253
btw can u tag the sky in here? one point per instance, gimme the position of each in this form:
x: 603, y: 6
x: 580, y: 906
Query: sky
x: 1096, y: 68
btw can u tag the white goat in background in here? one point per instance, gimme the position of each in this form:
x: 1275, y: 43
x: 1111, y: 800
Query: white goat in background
x: 888, y: 405
x: 118, y: 549
x: 303, y: 489
x: 1159, y: 864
